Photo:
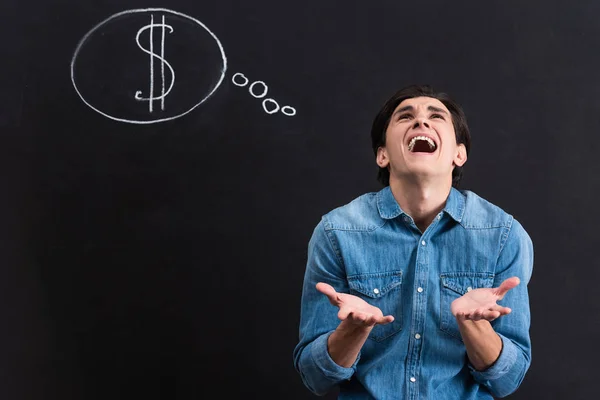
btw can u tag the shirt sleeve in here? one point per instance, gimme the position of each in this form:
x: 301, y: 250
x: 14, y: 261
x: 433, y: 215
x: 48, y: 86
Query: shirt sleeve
x: 318, y: 317
x: 515, y: 259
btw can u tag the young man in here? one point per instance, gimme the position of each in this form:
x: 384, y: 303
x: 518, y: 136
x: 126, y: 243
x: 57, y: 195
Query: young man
x: 402, y: 287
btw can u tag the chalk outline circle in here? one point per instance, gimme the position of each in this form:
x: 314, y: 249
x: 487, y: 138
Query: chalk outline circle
x: 243, y: 76
x: 265, y: 108
x: 142, y: 10
x: 262, y: 95
x: 285, y: 113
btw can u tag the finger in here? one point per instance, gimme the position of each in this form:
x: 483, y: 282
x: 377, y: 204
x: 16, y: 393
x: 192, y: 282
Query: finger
x: 383, y: 320
x: 501, y: 310
x: 490, y: 315
x: 365, y: 318
x: 345, y: 313
x: 477, y: 314
x: 461, y: 316
x: 376, y: 320
x: 328, y: 291
x: 362, y: 318
x: 370, y: 320
x: 505, y: 286
x: 355, y: 316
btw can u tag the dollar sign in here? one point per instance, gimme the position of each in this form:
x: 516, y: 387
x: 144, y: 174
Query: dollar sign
x: 164, y: 92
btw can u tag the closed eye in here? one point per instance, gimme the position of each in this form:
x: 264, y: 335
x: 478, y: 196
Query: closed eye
x: 437, y: 116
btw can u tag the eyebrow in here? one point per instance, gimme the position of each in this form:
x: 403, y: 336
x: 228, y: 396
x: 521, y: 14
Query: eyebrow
x: 411, y: 108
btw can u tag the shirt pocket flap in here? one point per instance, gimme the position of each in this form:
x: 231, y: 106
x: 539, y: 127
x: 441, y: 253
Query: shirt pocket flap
x: 462, y: 283
x: 375, y: 285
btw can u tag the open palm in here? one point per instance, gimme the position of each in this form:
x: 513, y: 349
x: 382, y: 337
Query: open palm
x: 481, y: 303
x: 353, y: 309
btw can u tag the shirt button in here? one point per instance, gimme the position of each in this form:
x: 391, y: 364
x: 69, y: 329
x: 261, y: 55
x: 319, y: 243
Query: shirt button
x: 423, y: 243
x: 439, y: 216
x: 413, y: 379
x: 417, y: 336
x: 469, y: 289
x: 420, y: 289
x: 376, y: 291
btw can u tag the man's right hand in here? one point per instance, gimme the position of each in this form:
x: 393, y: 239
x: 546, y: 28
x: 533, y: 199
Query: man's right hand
x: 358, y: 319
x: 353, y: 309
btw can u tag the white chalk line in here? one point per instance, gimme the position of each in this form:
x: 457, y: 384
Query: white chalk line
x: 263, y: 94
x: 150, y: 101
x: 162, y: 65
x: 242, y: 76
x: 291, y: 113
x: 264, y: 104
x: 151, y: 98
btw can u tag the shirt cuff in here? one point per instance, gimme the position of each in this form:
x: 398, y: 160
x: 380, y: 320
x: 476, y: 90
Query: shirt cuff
x: 325, y: 363
x: 506, y: 359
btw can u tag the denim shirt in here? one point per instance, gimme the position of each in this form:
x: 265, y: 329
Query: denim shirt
x: 372, y: 249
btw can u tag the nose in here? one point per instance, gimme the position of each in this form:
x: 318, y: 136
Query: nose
x: 421, y: 122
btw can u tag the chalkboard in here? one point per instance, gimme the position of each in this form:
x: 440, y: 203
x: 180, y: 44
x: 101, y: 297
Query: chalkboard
x: 163, y: 167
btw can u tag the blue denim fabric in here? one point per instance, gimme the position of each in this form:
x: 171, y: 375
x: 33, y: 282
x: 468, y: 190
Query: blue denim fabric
x: 372, y: 249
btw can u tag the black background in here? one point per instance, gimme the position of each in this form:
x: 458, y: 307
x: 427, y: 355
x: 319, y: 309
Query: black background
x: 165, y: 261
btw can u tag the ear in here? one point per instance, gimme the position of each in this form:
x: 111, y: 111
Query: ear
x: 382, y: 157
x: 461, y: 155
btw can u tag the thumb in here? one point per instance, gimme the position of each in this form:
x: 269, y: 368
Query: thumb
x: 328, y: 291
x: 506, y: 285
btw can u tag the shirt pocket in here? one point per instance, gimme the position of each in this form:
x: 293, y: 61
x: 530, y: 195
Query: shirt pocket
x: 382, y: 290
x: 453, y: 286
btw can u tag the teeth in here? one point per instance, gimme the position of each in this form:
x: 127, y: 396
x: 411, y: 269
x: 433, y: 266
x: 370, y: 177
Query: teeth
x: 411, y: 145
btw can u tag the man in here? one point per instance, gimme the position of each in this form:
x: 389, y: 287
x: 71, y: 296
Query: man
x: 401, y: 289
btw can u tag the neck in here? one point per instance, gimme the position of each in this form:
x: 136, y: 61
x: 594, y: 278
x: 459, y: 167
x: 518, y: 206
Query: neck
x: 421, y: 200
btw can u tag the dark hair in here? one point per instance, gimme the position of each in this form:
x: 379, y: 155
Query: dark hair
x: 382, y: 120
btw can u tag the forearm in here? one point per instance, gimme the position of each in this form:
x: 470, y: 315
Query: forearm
x: 495, y: 361
x: 481, y: 341
x: 511, y: 359
x: 345, y: 342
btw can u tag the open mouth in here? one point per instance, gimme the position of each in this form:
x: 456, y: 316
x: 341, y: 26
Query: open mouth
x: 421, y: 144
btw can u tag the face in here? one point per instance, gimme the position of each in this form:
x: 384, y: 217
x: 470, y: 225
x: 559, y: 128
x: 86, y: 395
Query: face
x: 420, y: 142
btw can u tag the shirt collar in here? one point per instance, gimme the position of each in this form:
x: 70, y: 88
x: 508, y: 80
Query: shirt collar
x: 388, y: 206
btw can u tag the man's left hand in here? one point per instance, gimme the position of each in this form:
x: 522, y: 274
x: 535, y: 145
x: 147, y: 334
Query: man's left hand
x: 480, y: 304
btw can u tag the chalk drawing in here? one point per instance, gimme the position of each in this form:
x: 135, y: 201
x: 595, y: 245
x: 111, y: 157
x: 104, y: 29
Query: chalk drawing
x: 161, y: 22
x: 240, y: 75
x: 274, y: 110
x: 150, y: 99
x: 266, y: 103
x: 122, y: 18
x: 289, y: 111
x: 261, y: 95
